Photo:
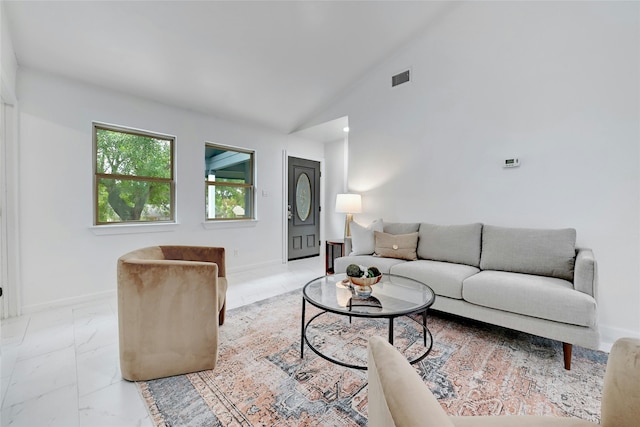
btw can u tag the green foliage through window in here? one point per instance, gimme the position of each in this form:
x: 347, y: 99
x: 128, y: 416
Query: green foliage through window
x: 133, y: 176
x: 229, y: 183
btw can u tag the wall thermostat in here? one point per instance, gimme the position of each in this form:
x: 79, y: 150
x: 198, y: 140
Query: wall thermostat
x: 511, y: 163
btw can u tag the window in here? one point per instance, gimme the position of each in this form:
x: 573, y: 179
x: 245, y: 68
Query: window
x: 134, y: 178
x: 229, y: 182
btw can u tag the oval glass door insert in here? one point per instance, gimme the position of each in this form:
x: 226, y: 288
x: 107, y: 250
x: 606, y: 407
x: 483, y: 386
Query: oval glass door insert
x: 303, y: 196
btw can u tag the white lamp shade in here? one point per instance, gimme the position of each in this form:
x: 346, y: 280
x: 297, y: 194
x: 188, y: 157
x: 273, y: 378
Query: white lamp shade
x: 348, y: 203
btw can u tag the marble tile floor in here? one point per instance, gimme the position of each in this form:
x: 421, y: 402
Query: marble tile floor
x: 61, y: 367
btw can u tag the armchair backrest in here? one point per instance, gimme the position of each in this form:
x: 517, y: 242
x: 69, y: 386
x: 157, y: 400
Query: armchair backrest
x: 397, y: 394
x: 151, y: 252
x: 621, y: 391
x: 399, y: 397
x: 168, y: 304
x: 197, y: 253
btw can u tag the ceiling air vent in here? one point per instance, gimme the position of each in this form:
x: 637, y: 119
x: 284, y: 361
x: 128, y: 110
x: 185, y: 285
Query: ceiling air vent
x: 400, y: 78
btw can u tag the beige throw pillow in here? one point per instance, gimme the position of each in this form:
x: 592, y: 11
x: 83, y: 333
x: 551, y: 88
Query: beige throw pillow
x: 401, y: 246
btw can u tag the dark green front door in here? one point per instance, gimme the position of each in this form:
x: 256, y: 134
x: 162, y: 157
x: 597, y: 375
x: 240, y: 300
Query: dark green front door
x: 303, y: 207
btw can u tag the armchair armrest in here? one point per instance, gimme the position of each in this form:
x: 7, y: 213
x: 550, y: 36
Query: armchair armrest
x: 585, y: 272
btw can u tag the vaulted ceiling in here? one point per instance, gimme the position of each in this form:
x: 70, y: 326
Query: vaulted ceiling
x: 270, y: 63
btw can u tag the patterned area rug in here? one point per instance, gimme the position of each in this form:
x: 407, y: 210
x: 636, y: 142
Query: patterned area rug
x: 473, y: 369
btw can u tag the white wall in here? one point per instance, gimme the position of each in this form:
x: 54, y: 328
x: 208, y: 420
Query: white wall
x: 9, y: 239
x: 334, y: 184
x: 555, y: 84
x: 8, y: 62
x: 62, y: 259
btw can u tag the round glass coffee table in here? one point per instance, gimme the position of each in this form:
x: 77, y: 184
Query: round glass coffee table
x: 392, y: 297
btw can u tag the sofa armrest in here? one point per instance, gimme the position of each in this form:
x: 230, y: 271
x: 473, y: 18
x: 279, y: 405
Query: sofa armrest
x: 585, y: 274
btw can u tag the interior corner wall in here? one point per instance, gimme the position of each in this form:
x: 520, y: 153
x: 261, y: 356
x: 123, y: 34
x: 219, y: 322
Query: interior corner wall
x: 62, y: 259
x: 334, y: 184
x: 9, y: 259
x: 8, y: 62
x: 555, y: 84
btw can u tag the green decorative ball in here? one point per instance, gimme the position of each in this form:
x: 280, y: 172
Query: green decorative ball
x: 353, y: 270
x: 373, y: 272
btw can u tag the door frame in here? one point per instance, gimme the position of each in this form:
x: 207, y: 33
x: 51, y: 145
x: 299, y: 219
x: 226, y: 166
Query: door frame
x: 10, y: 278
x: 285, y: 199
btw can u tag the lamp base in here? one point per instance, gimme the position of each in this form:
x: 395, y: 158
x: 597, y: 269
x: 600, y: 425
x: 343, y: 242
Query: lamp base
x: 347, y: 228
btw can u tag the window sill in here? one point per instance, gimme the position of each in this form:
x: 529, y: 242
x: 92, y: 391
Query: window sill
x: 107, y: 230
x: 214, y: 225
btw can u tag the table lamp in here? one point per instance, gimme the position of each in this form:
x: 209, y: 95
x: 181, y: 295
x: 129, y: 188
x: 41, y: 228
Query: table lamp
x: 349, y: 204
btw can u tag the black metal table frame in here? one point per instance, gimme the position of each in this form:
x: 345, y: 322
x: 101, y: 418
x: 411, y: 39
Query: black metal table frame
x: 420, y: 310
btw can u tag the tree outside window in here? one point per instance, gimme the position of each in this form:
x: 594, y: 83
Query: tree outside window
x: 133, y: 175
x: 229, y: 182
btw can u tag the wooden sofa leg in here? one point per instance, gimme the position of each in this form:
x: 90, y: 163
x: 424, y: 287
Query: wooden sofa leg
x: 221, y: 314
x: 566, y: 349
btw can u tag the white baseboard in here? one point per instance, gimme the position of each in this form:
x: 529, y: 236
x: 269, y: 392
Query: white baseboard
x: 65, y: 302
x: 609, y: 335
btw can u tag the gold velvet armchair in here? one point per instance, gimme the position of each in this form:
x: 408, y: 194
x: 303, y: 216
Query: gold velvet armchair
x: 399, y: 397
x: 171, y: 300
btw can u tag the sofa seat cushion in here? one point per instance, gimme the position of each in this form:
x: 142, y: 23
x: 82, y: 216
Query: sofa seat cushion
x: 444, y: 278
x: 383, y: 264
x: 537, y: 296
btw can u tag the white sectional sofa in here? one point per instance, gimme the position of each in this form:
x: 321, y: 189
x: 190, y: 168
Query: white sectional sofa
x: 531, y: 280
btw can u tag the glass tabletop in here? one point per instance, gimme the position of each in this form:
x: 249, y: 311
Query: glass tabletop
x: 392, y: 296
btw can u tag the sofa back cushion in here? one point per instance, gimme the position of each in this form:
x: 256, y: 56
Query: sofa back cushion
x: 400, y: 227
x: 401, y: 246
x: 530, y: 251
x: 459, y: 244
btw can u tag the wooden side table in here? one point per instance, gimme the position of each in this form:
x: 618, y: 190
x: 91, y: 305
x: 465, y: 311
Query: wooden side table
x: 334, y: 248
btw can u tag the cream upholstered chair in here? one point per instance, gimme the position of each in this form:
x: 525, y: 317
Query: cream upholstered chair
x: 171, y: 300
x: 399, y: 397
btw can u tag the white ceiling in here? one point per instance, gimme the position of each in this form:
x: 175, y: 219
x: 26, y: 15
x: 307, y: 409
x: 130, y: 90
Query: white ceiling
x: 265, y: 62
